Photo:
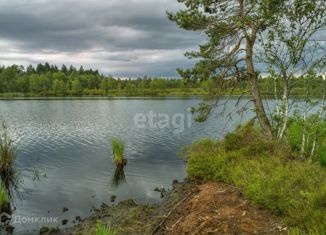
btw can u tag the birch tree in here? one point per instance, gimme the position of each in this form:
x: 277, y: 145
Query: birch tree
x: 293, y: 47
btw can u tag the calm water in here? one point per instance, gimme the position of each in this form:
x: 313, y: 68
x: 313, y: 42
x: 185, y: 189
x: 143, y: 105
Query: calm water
x: 68, y: 143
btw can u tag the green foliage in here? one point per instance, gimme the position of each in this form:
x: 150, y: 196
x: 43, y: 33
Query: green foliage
x: 267, y: 174
x: 294, y: 136
x: 4, y: 198
x: 104, y: 230
x: 315, y: 131
x: 118, y: 149
x: 321, y: 154
x: 51, y: 81
x: 202, y: 163
x: 7, y: 153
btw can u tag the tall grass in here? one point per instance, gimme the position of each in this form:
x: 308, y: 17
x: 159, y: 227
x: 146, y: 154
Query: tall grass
x: 4, y: 200
x: 268, y: 175
x: 7, y: 154
x: 118, y: 151
x: 315, y: 132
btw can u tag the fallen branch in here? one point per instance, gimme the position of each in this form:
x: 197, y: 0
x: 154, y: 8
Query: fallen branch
x: 170, y: 212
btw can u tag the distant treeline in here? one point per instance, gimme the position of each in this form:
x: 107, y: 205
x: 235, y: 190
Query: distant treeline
x: 49, y: 80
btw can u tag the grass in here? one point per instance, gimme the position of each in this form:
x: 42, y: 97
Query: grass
x: 118, y: 151
x: 4, y: 199
x: 268, y: 175
x: 315, y: 130
x: 103, y: 230
x: 7, y: 154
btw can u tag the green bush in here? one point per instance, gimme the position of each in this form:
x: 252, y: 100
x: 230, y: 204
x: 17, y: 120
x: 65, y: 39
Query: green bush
x: 294, y: 136
x: 263, y: 169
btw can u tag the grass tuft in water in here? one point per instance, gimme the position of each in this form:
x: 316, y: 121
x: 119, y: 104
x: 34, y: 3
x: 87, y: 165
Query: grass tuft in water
x: 4, y: 200
x: 7, y: 154
x: 118, y: 151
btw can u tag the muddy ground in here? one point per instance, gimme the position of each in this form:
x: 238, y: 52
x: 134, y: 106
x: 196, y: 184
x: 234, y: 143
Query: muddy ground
x: 210, y: 208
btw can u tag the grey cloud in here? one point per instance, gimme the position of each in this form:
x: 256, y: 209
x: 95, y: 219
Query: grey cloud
x: 70, y: 27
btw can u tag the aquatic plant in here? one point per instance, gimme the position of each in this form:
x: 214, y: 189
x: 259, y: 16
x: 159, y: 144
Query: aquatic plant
x: 4, y: 200
x: 118, y: 151
x: 7, y: 154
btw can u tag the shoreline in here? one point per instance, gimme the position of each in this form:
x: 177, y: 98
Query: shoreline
x: 201, y: 207
x: 163, y: 97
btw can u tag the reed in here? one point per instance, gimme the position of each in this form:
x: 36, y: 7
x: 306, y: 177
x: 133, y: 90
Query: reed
x: 4, y: 200
x: 118, y: 151
x: 7, y: 154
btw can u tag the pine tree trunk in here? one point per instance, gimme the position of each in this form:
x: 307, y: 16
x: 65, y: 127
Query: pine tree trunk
x: 259, y: 107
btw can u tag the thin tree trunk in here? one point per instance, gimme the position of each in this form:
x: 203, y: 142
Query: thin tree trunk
x: 303, y: 140
x: 284, y: 111
x: 320, y: 115
x: 276, y: 98
x: 259, y: 107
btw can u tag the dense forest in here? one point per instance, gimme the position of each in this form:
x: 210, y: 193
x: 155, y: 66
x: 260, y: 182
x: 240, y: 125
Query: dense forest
x: 49, y: 80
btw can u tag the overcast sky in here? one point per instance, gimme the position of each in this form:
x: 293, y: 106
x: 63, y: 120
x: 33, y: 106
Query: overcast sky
x: 120, y: 37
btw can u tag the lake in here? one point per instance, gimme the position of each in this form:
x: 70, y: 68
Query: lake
x: 64, y: 156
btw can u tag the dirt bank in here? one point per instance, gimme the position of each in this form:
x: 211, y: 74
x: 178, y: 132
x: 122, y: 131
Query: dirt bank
x: 210, y: 208
x: 216, y: 208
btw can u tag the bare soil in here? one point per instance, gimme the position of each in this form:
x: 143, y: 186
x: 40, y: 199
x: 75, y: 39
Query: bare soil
x: 217, y: 208
x: 209, y: 208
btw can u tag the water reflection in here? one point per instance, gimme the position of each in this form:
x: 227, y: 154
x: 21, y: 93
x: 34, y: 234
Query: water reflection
x: 119, y: 176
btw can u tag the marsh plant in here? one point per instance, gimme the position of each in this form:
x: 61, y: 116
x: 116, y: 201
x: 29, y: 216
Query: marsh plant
x: 7, y: 154
x: 118, y: 152
x: 4, y: 200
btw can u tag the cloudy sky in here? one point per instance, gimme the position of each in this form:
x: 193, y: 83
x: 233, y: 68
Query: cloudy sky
x: 120, y: 37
